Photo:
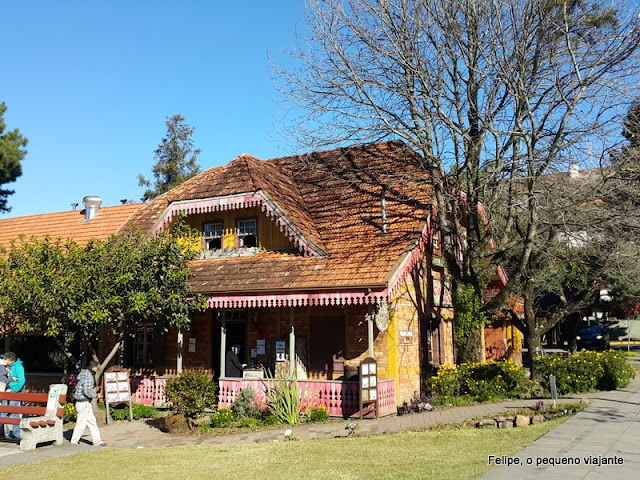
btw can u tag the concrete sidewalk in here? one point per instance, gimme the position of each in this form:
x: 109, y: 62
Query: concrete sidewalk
x: 601, y: 442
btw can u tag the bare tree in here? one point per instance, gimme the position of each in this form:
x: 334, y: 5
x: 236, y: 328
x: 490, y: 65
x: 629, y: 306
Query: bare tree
x: 491, y: 93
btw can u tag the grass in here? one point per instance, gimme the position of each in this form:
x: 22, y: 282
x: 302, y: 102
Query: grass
x: 451, y: 453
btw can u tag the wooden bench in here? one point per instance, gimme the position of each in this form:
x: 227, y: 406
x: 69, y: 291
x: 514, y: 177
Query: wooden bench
x: 39, y: 423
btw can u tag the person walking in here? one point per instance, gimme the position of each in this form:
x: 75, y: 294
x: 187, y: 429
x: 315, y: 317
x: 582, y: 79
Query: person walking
x: 85, y: 392
x: 16, y: 384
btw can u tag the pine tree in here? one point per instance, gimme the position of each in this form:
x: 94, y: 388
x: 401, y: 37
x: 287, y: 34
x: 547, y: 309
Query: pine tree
x: 12, y: 152
x: 175, y: 159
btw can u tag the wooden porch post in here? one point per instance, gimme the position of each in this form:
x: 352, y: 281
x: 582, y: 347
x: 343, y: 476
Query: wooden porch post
x: 223, y: 343
x: 179, y: 355
x: 292, y: 345
x: 370, y: 330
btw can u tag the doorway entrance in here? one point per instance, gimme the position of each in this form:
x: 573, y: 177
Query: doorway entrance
x: 236, y: 333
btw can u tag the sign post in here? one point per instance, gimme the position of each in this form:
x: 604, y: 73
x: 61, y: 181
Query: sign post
x: 554, y: 391
x: 117, y: 389
x: 368, y: 387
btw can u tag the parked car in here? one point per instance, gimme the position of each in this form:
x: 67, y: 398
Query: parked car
x: 593, y: 337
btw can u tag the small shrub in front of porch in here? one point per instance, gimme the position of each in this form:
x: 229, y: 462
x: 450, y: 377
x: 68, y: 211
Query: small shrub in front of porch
x: 222, y: 418
x: 317, y: 414
x: 246, y: 404
x: 191, y: 394
x: 474, y: 382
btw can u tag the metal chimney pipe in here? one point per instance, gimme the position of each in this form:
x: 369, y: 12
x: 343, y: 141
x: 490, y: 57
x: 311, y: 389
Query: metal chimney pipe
x: 383, y: 207
x: 574, y: 170
x: 91, y: 204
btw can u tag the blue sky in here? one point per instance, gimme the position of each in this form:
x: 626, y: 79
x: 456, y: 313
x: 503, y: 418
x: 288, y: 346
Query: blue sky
x: 90, y: 84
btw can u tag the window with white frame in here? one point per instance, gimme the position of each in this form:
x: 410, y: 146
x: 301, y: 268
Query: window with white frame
x: 247, y: 232
x: 213, y: 235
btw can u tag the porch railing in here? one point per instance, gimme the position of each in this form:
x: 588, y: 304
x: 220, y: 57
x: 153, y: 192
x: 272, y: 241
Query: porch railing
x: 340, y: 398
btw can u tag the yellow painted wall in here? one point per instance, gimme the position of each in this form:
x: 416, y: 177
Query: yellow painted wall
x: 404, y: 359
x: 269, y: 234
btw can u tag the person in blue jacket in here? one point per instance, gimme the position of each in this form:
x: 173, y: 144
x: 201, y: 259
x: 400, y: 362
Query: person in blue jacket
x: 16, y: 384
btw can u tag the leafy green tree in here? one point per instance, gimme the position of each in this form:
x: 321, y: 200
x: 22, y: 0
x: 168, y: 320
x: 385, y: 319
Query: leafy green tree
x: 175, y: 159
x: 75, y: 294
x: 12, y: 151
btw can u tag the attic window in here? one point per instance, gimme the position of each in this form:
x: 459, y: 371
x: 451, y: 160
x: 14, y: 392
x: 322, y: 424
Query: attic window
x: 247, y: 233
x: 213, y: 235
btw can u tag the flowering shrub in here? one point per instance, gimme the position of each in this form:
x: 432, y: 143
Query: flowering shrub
x: 479, y: 382
x: 421, y: 402
x: 318, y: 414
x: 70, y: 413
x: 540, y: 406
x: 351, y: 427
x: 587, y: 371
x: 289, y: 436
x: 222, y: 418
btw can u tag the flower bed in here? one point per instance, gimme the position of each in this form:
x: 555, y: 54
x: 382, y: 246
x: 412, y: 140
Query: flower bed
x: 586, y: 371
x: 475, y: 382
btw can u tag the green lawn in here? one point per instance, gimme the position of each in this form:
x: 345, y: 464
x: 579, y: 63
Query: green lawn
x: 456, y: 453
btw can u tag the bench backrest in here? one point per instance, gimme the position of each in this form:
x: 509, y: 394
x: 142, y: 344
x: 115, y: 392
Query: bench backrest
x: 54, y: 401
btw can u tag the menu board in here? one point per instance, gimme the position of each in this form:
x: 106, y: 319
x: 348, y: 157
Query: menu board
x: 368, y: 387
x: 117, y: 389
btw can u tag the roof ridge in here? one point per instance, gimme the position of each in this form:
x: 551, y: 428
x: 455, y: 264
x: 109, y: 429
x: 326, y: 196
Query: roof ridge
x: 246, y: 158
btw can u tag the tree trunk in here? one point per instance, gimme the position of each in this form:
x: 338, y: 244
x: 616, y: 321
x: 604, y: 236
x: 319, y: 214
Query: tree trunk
x: 532, y: 342
x: 471, y: 351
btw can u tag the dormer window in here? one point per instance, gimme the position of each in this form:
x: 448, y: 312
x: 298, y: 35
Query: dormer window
x: 247, y: 233
x: 213, y: 236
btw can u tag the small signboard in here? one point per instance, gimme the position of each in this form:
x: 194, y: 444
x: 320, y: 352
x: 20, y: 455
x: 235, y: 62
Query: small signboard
x: 117, y: 389
x: 406, y: 337
x: 368, y: 387
x: 281, y: 349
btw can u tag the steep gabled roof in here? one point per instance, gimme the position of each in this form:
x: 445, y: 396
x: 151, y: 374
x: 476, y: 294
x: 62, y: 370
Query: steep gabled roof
x: 69, y: 224
x: 334, y: 199
x: 244, y: 176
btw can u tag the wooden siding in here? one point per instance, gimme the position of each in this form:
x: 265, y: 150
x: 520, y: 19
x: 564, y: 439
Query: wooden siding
x: 269, y: 235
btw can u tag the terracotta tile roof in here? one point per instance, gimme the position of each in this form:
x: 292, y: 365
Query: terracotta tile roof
x: 68, y: 224
x: 334, y: 199
x: 245, y: 174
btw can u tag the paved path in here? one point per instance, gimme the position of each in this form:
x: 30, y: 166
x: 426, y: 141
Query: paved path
x: 609, y: 427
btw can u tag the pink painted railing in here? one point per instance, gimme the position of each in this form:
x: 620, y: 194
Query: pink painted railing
x: 149, y: 390
x: 341, y: 399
